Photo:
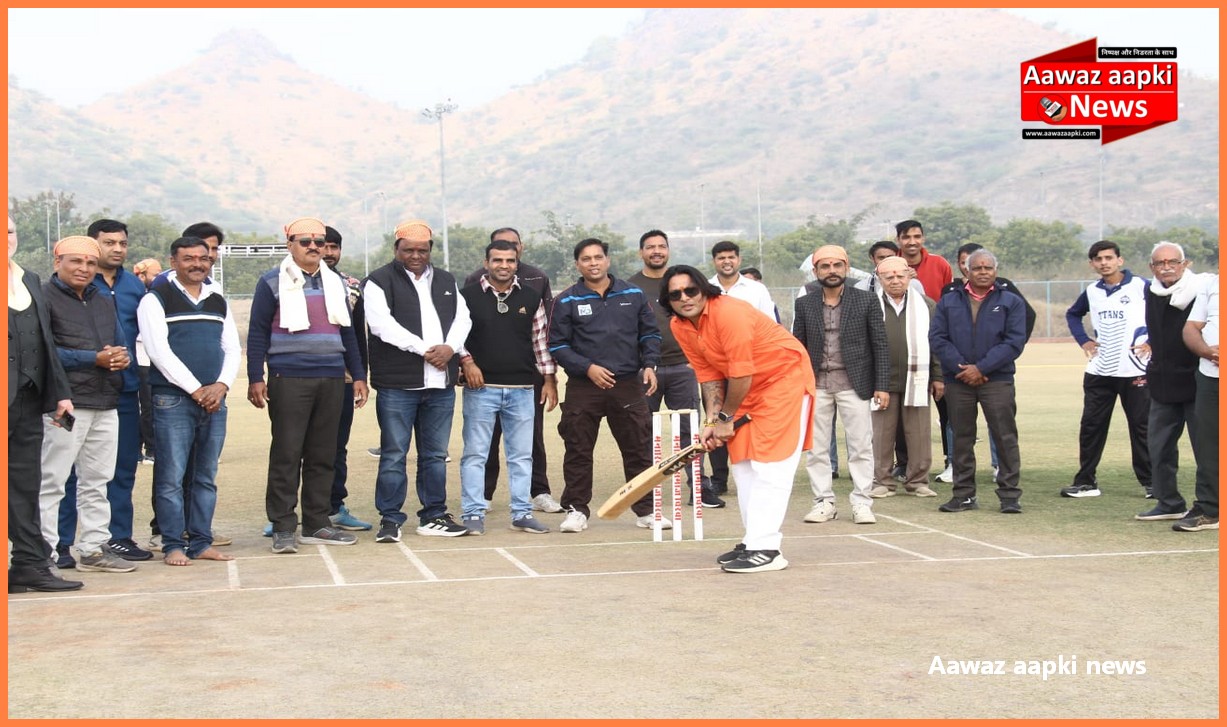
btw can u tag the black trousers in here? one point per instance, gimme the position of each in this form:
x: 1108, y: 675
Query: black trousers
x: 305, y: 415
x: 25, y: 479
x: 1099, y: 395
x: 145, y: 396
x: 340, y: 464
x: 541, y: 480
x: 626, y: 409
x: 1165, y: 426
x: 996, y: 399
x: 1206, y: 412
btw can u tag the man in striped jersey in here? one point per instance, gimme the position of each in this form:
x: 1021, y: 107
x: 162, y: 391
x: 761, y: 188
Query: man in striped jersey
x: 1117, y: 308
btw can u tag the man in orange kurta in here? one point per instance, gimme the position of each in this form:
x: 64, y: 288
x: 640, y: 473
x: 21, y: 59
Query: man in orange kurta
x: 746, y: 364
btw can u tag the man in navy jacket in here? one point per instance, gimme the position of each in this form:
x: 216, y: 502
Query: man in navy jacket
x: 978, y: 331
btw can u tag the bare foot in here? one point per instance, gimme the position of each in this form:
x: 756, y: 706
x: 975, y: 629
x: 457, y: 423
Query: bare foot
x: 213, y: 554
x: 176, y: 557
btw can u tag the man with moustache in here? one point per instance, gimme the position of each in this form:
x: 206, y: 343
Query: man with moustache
x: 535, y: 278
x: 977, y: 333
x: 676, y: 385
x: 90, y: 344
x: 604, y: 335
x: 37, y: 385
x: 301, y: 328
x: 193, y: 345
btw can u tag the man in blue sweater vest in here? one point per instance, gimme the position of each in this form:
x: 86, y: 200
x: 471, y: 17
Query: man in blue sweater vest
x: 193, y: 347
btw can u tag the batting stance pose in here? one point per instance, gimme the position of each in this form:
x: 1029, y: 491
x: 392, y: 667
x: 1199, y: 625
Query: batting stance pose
x: 746, y: 363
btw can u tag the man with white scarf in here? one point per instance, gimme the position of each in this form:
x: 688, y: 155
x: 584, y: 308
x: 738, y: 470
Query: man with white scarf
x: 300, y: 326
x: 1170, y: 375
x: 914, y: 374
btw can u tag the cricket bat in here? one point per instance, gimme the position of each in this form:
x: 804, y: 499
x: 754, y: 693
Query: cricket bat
x: 642, y: 483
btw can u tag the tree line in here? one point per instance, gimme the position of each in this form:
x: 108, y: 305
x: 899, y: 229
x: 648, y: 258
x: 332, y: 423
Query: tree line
x: 1028, y: 249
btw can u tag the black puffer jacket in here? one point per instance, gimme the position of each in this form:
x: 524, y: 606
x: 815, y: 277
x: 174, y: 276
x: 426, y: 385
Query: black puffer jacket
x: 80, y: 327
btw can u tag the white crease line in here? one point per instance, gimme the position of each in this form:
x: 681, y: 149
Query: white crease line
x: 331, y: 565
x: 539, y: 546
x: 957, y: 537
x: 517, y: 562
x: 417, y: 562
x: 232, y: 574
x: 70, y: 598
x: 922, y: 556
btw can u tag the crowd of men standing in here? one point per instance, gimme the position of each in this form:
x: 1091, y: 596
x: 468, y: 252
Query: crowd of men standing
x: 876, y: 355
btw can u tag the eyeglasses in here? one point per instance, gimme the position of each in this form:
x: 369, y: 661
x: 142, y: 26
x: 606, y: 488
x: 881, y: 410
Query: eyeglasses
x: 309, y: 241
x: 1160, y: 264
x: 690, y: 292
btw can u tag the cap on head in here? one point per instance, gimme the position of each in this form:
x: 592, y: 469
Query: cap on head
x: 78, y: 245
x: 829, y: 252
x: 148, y: 265
x: 304, y: 226
x: 892, y: 264
x: 414, y: 231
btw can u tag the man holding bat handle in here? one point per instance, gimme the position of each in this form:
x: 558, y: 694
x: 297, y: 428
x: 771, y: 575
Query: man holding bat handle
x: 746, y: 364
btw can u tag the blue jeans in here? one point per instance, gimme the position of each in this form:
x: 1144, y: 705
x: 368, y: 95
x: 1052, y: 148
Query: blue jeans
x: 514, y: 408
x: 187, y: 435
x: 401, y: 413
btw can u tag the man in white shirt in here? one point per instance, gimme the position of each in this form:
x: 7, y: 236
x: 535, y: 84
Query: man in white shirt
x: 189, y: 335
x: 726, y: 258
x: 1201, y: 337
x: 418, y: 322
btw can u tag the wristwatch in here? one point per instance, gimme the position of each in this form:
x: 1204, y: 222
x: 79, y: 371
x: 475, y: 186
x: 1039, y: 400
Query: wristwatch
x: 724, y: 418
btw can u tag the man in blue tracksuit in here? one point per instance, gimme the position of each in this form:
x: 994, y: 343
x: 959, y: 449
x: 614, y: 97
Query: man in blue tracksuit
x: 604, y: 334
x: 978, y: 331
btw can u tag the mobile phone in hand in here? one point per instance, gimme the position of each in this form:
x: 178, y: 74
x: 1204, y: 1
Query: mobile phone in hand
x: 66, y: 421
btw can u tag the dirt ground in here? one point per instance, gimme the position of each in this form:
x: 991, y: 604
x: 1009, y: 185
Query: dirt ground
x: 608, y: 624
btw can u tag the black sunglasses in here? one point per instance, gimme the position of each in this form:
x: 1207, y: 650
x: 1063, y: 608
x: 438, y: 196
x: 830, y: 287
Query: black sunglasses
x: 309, y: 241
x: 690, y: 292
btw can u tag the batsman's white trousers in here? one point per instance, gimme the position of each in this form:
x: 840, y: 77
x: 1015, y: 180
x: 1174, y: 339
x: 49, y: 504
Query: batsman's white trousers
x: 763, y: 489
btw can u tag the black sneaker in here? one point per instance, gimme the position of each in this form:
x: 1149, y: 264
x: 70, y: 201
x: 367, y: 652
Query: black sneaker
x: 717, y: 488
x: 443, y: 526
x: 63, y: 557
x: 1195, y: 523
x: 1158, y: 513
x: 899, y: 472
x: 959, y: 504
x: 1150, y: 493
x: 737, y: 551
x: 710, y: 500
x: 128, y: 550
x: 1080, y: 491
x: 1011, y: 507
x: 389, y: 532
x: 754, y: 561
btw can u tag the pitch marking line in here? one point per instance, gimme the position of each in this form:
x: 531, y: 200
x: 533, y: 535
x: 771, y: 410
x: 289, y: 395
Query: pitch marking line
x: 913, y: 553
x: 957, y: 537
x: 417, y: 562
x: 66, y: 598
x: 517, y: 563
x: 232, y: 574
x: 331, y: 565
x: 690, y: 543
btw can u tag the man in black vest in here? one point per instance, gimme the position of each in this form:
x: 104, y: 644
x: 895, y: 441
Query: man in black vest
x: 418, y: 321
x: 90, y: 343
x: 37, y: 384
x: 506, y: 351
x: 193, y: 345
x: 534, y: 278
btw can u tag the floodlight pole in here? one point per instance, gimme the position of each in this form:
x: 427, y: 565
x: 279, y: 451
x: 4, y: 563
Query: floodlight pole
x: 436, y: 114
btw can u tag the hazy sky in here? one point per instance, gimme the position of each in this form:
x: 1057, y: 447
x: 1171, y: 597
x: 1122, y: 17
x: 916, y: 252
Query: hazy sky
x: 471, y: 55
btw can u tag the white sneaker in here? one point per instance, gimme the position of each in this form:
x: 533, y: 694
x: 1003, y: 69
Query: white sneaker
x: 545, y: 502
x: 822, y: 512
x: 574, y: 522
x: 863, y: 515
x: 647, y: 521
x: 947, y: 474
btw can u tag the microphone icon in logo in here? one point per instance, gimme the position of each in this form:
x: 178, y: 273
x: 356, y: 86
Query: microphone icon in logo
x: 1053, y: 109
